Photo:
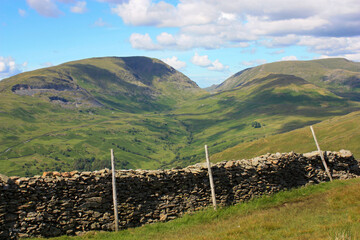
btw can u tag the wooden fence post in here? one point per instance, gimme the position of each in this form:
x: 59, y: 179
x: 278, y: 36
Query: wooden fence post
x: 116, y: 216
x: 321, y: 154
x: 210, y: 178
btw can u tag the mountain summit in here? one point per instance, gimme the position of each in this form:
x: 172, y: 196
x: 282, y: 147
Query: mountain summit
x: 123, y: 83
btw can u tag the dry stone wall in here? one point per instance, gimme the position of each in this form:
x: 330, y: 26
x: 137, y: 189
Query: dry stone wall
x: 72, y: 202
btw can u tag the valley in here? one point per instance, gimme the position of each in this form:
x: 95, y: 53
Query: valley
x: 69, y: 116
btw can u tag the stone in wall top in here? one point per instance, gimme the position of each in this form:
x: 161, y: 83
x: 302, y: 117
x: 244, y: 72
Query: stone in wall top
x: 345, y: 153
x: 4, y: 178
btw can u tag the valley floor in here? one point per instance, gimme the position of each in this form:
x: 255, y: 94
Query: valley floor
x: 324, y: 211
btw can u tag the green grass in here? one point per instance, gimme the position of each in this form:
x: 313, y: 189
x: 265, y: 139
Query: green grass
x: 323, y: 211
x: 333, y: 134
x: 335, y: 70
x: 152, y: 123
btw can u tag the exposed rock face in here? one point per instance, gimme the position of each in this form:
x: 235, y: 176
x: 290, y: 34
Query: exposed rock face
x: 69, y: 203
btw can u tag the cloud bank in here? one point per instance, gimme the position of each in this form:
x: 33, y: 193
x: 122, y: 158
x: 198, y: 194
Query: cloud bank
x: 8, y: 67
x: 214, y: 24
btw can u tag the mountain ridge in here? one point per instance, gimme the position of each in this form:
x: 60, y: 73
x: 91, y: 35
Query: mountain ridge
x: 338, y: 75
x: 108, y: 81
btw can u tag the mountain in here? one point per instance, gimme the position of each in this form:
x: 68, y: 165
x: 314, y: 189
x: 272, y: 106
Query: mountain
x: 69, y: 116
x: 273, y: 104
x: 129, y: 84
x: 338, y: 75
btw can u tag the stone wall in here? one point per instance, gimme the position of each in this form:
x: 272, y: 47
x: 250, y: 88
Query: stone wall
x: 72, y: 202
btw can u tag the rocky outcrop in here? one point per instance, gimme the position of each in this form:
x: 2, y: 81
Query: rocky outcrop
x: 72, y: 202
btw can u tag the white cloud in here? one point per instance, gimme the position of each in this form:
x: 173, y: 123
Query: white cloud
x: 46, y: 8
x: 166, y: 39
x: 289, y: 58
x: 217, y: 66
x: 8, y: 67
x: 175, y: 62
x: 213, y: 24
x: 204, y: 61
x: 80, y: 7
x: 140, y: 41
x: 282, y: 41
x: 22, y: 12
x: 144, y: 12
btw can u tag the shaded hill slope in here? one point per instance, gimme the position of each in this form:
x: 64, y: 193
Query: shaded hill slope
x: 338, y: 75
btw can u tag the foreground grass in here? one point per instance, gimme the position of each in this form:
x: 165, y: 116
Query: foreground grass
x: 324, y: 211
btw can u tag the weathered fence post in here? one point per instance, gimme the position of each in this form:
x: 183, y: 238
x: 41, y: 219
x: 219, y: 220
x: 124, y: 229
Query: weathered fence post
x: 116, y: 216
x: 321, y: 154
x: 210, y: 178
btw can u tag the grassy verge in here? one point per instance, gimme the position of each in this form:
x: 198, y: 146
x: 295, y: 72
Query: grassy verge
x: 324, y: 211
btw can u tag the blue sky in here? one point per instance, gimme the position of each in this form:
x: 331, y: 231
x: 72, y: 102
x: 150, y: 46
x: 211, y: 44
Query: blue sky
x: 206, y: 40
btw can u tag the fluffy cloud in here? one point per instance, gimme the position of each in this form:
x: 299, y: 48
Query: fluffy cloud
x: 347, y: 47
x: 217, y: 66
x: 8, y: 67
x: 49, y: 8
x: 80, y: 7
x: 166, y: 39
x: 46, y: 8
x: 175, y: 62
x: 213, y: 24
x: 204, y: 61
x: 140, y: 41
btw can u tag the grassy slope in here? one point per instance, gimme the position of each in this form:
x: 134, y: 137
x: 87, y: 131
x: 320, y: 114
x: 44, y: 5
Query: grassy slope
x: 38, y: 136
x: 222, y: 120
x: 338, y: 72
x: 324, y: 211
x: 334, y: 134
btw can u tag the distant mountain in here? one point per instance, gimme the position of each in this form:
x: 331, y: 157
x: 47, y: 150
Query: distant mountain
x: 338, y: 75
x: 128, y: 83
x: 211, y: 88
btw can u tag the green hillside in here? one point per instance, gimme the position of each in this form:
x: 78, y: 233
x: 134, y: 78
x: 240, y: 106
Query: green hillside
x: 334, y: 134
x: 338, y: 75
x: 271, y: 105
x: 129, y: 84
x: 69, y: 116
x: 323, y: 211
